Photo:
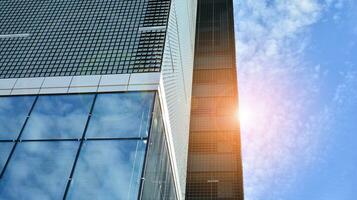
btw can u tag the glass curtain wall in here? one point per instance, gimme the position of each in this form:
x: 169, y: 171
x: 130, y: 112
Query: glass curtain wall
x: 158, y: 182
x: 87, y: 146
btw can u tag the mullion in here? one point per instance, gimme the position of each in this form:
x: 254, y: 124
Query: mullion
x: 8, y: 141
x: 79, y: 148
x: 49, y: 140
x: 109, y: 138
x: 79, y: 139
x: 18, y: 138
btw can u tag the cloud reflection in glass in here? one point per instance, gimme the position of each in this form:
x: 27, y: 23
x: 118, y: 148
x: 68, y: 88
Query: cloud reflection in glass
x: 5, y: 148
x: 13, y: 112
x: 38, y: 170
x: 58, y: 117
x: 121, y: 115
x: 108, y: 170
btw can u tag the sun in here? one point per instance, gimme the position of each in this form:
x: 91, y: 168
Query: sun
x: 245, y: 115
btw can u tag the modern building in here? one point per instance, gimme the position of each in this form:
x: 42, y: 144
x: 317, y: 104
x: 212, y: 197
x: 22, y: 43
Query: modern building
x: 214, y: 168
x: 118, y: 99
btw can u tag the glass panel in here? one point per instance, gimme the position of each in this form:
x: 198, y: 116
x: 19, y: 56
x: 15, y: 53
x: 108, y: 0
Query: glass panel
x: 38, y: 170
x: 108, y: 170
x: 13, y: 112
x: 58, y: 116
x: 159, y: 183
x: 5, y: 149
x: 121, y: 115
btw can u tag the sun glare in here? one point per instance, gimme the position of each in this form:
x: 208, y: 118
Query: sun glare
x: 245, y: 116
x: 251, y: 113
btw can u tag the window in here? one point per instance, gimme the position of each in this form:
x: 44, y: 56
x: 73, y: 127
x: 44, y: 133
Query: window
x: 38, y: 170
x: 159, y: 183
x: 13, y: 113
x: 121, y: 115
x: 108, y: 170
x: 5, y: 148
x: 58, y: 117
x: 76, y: 146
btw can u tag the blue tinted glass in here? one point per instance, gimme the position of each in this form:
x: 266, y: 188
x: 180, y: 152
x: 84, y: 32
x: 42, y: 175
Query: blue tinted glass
x: 58, y: 116
x: 108, y: 170
x: 5, y: 149
x: 159, y: 183
x: 38, y: 170
x: 121, y: 115
x: 13, y: 112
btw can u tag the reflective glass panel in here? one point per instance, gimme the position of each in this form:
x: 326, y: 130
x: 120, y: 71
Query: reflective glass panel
x: 159, y: 183
x: 58, y: 117
x: 5, y: 149
x: 38, y: 170
x: 108, y: 170
x: 13, y: 112
x: 121, y: 115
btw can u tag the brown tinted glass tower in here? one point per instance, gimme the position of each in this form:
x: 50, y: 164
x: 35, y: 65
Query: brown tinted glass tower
x: 214, y: 168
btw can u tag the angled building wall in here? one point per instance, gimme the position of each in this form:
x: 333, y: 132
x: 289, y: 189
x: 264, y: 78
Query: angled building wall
x: 176, y: 81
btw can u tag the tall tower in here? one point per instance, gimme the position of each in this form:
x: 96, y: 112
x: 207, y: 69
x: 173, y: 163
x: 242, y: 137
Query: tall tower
x: 214, y: 168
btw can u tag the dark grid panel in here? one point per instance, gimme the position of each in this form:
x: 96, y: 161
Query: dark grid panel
x: 149, y: 51
x: 214, y: 185
x: 214, y: 142
x: 214, y: 168
x: 69, y: 37
x: 156, y: 13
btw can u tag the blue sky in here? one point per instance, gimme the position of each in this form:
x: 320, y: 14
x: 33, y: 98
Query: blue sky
x: 297, y: 70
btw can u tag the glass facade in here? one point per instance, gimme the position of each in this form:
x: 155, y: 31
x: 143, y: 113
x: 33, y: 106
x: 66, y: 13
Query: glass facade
x: 83, y: 146
x: 108, y: 169
x: 214, y: 168
x: 65, y: 117
x: 13, y: 113
x: 71, y: 37
x: 116, y: 115
x: 38, y: 170
x: 159, y: 183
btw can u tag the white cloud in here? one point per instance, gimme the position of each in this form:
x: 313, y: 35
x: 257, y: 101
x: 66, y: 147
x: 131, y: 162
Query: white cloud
x: 280, y: 89
x: 347, y: 89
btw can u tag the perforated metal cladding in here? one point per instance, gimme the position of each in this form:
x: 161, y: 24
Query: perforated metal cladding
x: 176, y: 73
x: 79, y: 37
x: 214, y: 168
x: 173, y: 81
